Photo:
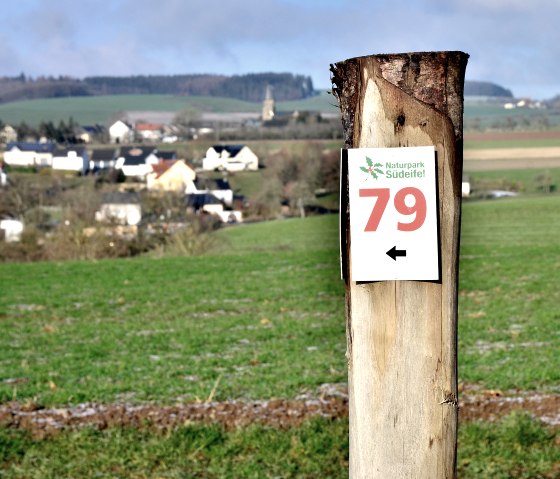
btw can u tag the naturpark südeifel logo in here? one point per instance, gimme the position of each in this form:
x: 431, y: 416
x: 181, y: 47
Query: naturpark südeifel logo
x: 373, y: 169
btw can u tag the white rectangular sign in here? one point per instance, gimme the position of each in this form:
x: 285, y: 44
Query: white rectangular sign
x: 393, y: 214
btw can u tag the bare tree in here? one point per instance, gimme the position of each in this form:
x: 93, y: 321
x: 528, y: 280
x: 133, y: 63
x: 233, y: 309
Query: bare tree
x: 185, y: 120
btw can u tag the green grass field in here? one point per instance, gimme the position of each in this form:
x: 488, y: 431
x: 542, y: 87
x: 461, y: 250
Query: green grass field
x: 142, y: 326
x: 99, y: 109
x: 529, y: 180
x: 494, y: 116
x: 263, y: 317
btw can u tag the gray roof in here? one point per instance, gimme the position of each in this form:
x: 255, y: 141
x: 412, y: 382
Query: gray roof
x: 167, y: 155
x: 136, y: 155
x: 137, y: 150
x: 104, y: 154
x: 198, y: 200
x: 80, y: 151
x: 30, y: 146
x: 233, y: 150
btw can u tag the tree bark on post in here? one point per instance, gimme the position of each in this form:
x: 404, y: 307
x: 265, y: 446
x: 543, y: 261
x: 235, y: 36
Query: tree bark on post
x: 402, y: 335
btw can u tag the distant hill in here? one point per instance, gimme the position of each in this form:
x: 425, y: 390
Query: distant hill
x: 250, y: 87
x: 482, y: 88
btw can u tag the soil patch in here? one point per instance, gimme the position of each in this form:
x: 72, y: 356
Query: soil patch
x: 512, y: 135
x: 537, y: 153
x: 331, y: 403
x: 517, y: 164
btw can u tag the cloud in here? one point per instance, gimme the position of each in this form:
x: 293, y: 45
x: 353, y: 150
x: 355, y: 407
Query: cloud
x: 511, y: 42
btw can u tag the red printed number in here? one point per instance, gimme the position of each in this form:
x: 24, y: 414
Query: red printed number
x: 383, y: 195
x: 418, y: 207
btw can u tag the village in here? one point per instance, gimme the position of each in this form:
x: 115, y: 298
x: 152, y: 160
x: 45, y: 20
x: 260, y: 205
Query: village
x: 151, y: 188
x: 128, y: 161
x: 140, y: 167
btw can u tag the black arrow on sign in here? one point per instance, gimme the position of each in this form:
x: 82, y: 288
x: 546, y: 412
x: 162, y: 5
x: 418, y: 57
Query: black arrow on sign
x: 394, y: 252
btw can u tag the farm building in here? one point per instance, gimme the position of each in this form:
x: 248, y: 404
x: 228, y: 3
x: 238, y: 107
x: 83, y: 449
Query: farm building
x: 230, y: 158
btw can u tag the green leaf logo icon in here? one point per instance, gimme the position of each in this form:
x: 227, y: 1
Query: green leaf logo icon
x: 373, y: 169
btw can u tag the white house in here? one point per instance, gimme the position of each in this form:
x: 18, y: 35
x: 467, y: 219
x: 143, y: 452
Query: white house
x: 8, y: 134
x: 208, y: 203
x: 122, y: 208
x: 230, y: 158
x: 465, y: 189
x: 3, y: 175
x: 151, y: 132
x: 71, y: 159
x: 137, y: 161
x: 102, y: 159
x: 173, y: 175
x: 216, y: 187
x: 29, y: 154
x: 12, y: 230
x: 121, y: 132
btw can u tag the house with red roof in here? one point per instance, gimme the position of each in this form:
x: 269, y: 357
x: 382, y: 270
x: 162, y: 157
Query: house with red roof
x: 149, y: 132
x: 170, y: 176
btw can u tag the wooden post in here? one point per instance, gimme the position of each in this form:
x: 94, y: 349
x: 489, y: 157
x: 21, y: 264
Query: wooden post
x: 402, y: 335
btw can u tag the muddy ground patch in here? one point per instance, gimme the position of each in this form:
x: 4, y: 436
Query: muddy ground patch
x: 331, y: 403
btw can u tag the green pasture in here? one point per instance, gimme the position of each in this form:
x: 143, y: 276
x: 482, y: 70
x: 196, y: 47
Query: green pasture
x: 511, y: 143
x: 89, y: 110
x: 529, y: 181
x: 496, y: 110
x: 262, y: 317
x: 508, y: 295
x: 515, y: 447
x: 100, y: 109
x: 481, y: 116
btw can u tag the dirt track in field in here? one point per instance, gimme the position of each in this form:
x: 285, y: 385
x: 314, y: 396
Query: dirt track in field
x: 511, y: 158
x: 511, y: 135
x: 330, y: 403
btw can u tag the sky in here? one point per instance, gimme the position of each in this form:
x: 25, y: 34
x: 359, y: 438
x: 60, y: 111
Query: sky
x: 513, y: 43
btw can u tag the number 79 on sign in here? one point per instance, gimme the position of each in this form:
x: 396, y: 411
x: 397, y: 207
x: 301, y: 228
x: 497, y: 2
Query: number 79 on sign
x: 393, y: 214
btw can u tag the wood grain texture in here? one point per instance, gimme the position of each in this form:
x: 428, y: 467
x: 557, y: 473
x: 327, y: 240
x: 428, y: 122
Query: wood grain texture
x: 402, y: 335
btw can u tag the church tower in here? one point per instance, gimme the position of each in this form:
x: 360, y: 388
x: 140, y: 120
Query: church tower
x: 268, y: 108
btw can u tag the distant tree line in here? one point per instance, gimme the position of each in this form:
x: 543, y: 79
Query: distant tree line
x: 63, y: 132
x: 481, y: 88
x: 250, y: 87
x: 24, y: 88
